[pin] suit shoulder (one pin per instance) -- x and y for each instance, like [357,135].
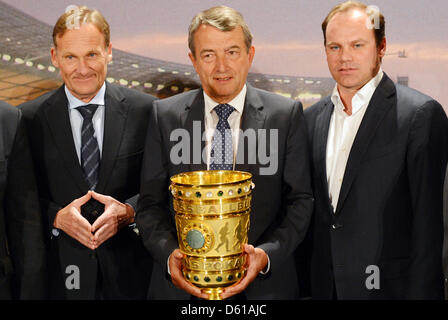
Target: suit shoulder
[276,106]
[8,111]
[274,98]
[412,99]
[133,95]
[30,108]
[312,111]
[178,101]
[9,120]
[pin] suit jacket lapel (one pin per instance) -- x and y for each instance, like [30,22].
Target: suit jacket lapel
[380,103]
[115,115]
[192,119]
[320,149]
[253,117]
[57,115]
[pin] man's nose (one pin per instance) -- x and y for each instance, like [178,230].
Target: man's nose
[346,54]
[83,67]
[221,63]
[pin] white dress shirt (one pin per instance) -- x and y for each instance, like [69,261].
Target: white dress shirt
[76,118]
[342,133]
[211,121]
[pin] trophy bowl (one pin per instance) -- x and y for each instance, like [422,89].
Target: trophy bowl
[212,220]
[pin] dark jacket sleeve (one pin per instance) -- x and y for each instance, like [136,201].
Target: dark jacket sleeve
[426,162]
[24,222]
[153,216]
[297,202]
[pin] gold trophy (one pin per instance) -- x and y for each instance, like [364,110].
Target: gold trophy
[212,220]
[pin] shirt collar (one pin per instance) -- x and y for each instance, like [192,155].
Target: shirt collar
[362,96]
[74,102]
[237,102]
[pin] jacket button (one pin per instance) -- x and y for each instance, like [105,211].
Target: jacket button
[336,226]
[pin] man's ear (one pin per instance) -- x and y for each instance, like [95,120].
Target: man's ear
[382,48]
[251,54]
[54,59]
[193,60]
[109,53]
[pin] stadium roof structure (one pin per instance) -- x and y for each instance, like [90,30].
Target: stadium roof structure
[26,71]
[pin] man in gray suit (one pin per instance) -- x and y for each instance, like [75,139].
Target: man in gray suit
[22,250]
[222,53]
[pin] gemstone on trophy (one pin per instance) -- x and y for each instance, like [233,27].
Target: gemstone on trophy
[195,239]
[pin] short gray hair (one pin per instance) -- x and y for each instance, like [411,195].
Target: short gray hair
[221,17]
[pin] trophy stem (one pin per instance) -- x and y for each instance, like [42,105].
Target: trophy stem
[214,293]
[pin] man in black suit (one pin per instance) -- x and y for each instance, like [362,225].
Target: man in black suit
[445,229]
[22,248]
[222,53]
[87,140]
[379,152]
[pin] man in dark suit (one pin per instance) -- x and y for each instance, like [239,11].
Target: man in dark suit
[87,140]
[22,248]
[221,52]
[379,152]
[445,229]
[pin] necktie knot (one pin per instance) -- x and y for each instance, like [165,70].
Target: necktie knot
[87,111]
[224,111]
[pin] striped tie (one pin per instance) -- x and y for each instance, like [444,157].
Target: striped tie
[222,144]
[90,152]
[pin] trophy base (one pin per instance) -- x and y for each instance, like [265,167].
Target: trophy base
[214,293]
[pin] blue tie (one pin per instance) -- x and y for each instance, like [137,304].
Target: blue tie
[90,152]
[222,145]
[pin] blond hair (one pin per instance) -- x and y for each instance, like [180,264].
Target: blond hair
[350,5]
[75,16]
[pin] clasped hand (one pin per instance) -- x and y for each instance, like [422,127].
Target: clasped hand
[256,261]
[115,216]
